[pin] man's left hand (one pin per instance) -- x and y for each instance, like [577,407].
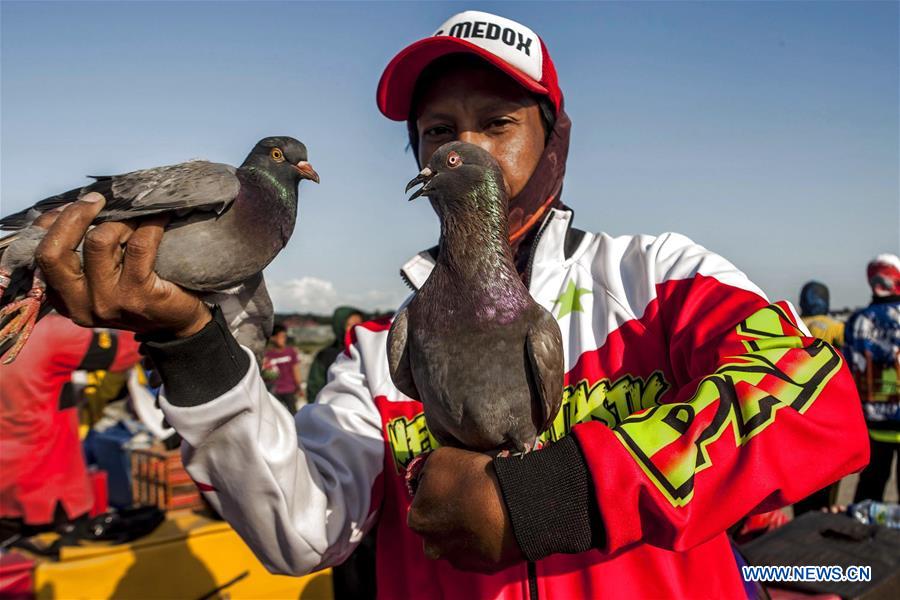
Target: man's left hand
[459,512]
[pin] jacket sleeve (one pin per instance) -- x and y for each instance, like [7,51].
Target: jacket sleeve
[760,414]
[298,489]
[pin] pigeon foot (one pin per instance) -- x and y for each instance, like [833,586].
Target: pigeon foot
[5,280]
[519,449]
[413,470]
[22,315]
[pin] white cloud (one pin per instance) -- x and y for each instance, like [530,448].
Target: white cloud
[311,294]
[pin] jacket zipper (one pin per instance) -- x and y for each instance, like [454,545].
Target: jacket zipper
[532,252]
[406,280]
[532,568]
[532,581]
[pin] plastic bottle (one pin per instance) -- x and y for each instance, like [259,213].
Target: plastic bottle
[876,513]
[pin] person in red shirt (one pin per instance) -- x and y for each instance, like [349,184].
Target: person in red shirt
[43,476]
[286,361]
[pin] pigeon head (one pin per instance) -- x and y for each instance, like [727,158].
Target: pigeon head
[284,158]
[458,176]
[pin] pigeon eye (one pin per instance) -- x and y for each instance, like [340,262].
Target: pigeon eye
[277,155]
[454,160]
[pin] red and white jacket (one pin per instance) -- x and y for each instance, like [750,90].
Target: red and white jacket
[693,399]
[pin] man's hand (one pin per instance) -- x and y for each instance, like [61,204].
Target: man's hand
[459,512]
[117,286]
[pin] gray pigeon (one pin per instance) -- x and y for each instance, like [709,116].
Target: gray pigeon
[484,358]
[226,225]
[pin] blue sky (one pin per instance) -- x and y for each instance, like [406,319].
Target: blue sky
[766,131]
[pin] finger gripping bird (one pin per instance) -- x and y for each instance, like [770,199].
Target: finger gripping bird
[484,358]
[225,226]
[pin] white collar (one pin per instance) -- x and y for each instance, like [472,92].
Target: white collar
[550,246]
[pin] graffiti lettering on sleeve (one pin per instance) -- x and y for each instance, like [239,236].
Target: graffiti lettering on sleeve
[671,442]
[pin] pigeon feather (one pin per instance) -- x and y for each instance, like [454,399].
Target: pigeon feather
[192,185]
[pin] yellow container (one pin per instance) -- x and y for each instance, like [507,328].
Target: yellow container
[188,556]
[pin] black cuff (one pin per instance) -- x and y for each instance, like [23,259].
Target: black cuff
[550,498]
[201,367]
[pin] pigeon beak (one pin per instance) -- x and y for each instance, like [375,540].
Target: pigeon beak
[424,176]
[306,171]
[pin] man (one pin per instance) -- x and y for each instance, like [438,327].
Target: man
[814,307]
[873,349]
[44,481]
[286,361]
[729,402]
[343,320]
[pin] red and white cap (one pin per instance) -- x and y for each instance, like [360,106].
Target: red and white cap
[511,47]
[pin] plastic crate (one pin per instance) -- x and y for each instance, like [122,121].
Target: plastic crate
[158,479]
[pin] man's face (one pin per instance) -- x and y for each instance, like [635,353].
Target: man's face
[481,106]
[280,339]
[352,321]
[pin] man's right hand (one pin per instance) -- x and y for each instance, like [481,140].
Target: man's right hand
[117,286]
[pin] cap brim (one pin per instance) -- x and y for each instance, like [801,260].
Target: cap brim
[398,81]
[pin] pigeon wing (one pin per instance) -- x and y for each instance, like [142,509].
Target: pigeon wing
[543,345]
[181,188]
[398,356]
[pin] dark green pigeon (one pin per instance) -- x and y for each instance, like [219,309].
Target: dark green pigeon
[226,225]
[484,358]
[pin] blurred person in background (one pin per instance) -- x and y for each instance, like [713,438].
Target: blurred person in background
[814,309]
[342,320]
[44,482]
[873,351]
[285,360]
